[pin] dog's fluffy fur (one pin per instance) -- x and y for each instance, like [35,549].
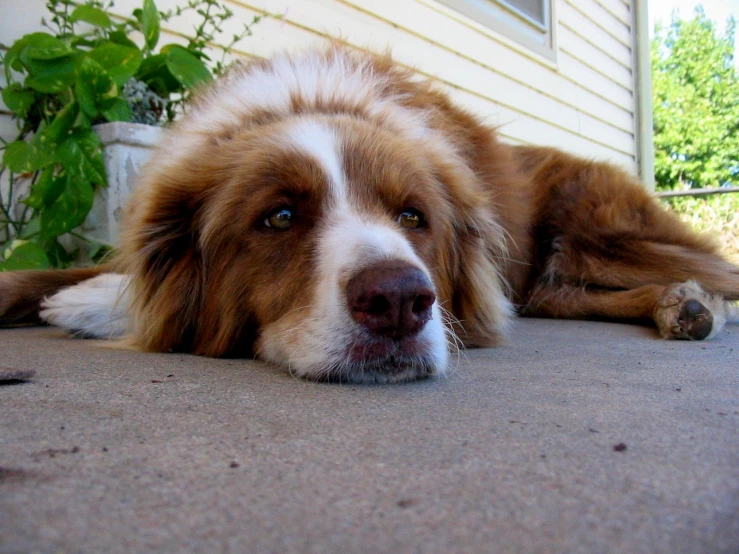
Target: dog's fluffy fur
[347,143]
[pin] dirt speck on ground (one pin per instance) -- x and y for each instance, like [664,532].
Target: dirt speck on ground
[13,475]
[54,452]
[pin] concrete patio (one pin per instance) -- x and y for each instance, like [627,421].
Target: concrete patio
[578,437]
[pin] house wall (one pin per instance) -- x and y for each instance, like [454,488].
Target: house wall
[584,101]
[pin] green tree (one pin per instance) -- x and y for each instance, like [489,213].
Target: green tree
[696,103]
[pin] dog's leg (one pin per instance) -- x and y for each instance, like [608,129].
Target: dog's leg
[21,292]
[96,308]
[680,311]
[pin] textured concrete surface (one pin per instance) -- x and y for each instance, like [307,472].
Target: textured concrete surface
[115,451]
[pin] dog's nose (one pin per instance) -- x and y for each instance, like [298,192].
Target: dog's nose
[391,300]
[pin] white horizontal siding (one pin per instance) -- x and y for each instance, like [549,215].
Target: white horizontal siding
[571,15]
[619,10]
[596,59]
[583,102]
[609,22]
[496,57]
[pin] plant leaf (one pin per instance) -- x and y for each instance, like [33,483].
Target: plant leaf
[38,152]
[46,190]
[119,110]
[119,37]
[69,209]
[31,228]
[50,76]
[43,46]
[94,86]
[58,255]
[25,157]
[18,99]
[23,254]
[150,23]
[121,62]
[92,148]
[187,68]
[154,72]
[82,41]
[12,58]
[91,15]
[81,155]
[59,128]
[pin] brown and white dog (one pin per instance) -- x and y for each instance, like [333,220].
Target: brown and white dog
[332,214]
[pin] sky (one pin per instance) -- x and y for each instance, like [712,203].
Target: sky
[718,10]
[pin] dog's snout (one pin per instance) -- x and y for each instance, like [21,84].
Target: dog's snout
[391,300]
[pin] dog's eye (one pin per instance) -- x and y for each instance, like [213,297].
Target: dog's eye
[280,219]
[411,219]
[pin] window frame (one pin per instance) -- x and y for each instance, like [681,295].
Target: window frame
[508,20]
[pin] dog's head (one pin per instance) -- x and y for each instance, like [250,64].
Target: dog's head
[336,233]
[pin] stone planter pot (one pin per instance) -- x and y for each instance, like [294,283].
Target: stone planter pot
[126,148]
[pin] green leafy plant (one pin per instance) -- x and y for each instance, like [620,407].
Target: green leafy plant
[91,67]
[696,103]
[696,122]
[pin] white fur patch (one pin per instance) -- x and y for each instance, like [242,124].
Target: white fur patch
[319,142]
[96,308]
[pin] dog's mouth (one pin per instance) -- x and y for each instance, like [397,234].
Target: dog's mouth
[380,361]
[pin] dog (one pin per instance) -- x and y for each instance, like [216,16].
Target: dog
[333,214]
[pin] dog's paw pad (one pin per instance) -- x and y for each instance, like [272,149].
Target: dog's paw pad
[695,321]
[686,312]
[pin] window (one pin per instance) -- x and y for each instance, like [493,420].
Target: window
[535,10]
[528,22]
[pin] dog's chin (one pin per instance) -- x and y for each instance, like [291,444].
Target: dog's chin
[380,362]
[389,370]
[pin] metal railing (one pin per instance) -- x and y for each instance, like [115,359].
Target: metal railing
[696,192]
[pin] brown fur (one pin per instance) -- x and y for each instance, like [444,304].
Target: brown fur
[567,237]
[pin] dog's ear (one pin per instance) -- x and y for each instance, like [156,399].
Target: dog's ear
[473,286]
[478,302]
[160,252]
[181,288]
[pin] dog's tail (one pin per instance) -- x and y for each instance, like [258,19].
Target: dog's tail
[96,308]
[659,263]
[21,292]
[716,274]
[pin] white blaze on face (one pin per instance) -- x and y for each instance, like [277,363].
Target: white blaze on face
[310,137]
[315,340]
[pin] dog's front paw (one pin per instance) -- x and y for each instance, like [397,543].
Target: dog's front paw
[685,311]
